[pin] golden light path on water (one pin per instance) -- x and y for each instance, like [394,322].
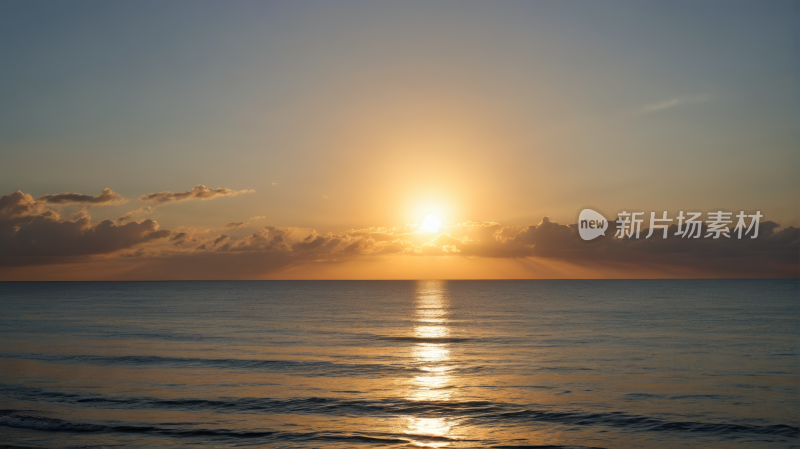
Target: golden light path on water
[432,306]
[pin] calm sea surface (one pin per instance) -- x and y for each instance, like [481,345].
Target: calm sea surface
[610,364]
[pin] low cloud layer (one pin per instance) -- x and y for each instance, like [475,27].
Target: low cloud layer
[106,198]
[34,234]
[199,192]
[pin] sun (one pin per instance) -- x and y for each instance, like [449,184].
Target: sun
[431,223]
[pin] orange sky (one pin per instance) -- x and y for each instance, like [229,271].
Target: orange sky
[351,124]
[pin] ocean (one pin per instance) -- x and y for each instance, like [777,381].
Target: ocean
[401,364]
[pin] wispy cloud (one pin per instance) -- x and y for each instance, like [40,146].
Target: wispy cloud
[654,107]
[241,224]
[106,198]
[235,225]
[199,192]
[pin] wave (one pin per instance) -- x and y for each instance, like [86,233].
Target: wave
[307,368]
[426,339]
[546,446]
[646,423]
[24,420]
[482,413]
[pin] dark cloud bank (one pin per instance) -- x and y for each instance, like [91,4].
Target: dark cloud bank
[34,234]
[107,198]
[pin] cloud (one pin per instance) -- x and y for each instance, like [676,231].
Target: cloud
[199,192]
[273,250]
[772,254]
[177,236]
[663,105]
[134,214]
[31,233]
[18,207]
[106,198]
[235,225]
[673,102]
[241,224]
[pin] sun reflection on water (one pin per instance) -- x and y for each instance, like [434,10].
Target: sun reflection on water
[431,331]
[429,353]
[434,427]
[432,357]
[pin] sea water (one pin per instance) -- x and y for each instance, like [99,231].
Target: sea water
[341,364]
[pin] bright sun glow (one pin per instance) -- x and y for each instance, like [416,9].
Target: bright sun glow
[431,223]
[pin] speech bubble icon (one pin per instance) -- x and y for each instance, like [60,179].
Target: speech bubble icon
[591,224]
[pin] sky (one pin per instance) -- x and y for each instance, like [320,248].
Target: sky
[311,140]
